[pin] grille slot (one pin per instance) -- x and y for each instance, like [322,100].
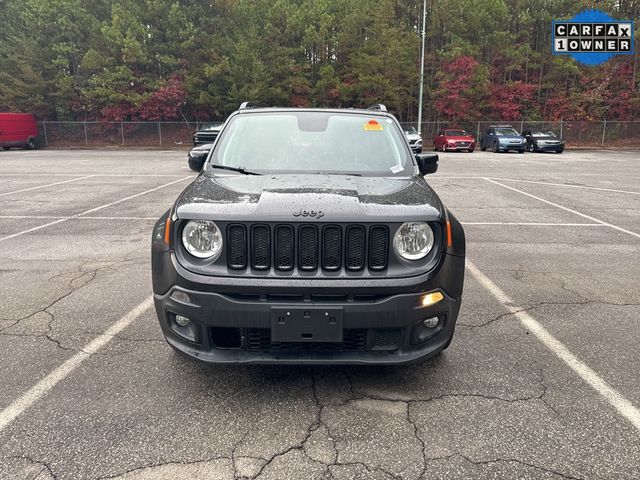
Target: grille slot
[331,247]
[285,253]
[308,247]
[378,247]
[355,247]
[260,247]
[237,246]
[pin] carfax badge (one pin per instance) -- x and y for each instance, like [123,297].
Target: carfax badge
[592,37]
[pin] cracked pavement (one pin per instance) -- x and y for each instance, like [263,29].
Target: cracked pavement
[496,404]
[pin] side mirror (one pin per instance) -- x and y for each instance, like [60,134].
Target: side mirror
[427,163]
[197,159]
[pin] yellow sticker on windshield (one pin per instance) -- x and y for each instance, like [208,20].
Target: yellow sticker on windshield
[373,125]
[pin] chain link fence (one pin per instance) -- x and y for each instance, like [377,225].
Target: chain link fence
[124,134]
[179,134]
[603,133]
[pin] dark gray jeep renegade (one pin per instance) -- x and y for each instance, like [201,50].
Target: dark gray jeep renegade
[310,236]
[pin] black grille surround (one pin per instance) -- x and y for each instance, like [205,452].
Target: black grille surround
[311,250]
[307,248]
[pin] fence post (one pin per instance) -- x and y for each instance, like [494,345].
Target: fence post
[122,131]
[160,133]
[478,133]
[86,138]
[44,127]
[604,130]
[561,128]
[521,125]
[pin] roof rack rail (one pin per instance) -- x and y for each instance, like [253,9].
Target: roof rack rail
[245,105]
[378,106]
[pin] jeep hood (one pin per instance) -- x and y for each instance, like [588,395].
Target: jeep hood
[286,198]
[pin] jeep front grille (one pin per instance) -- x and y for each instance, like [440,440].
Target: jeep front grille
[307,247]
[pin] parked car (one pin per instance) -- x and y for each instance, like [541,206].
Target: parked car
[539,141]
[454,139]
[197,156]
[414,138]
[309,236]
[18,130]
[502,138]
[207,133]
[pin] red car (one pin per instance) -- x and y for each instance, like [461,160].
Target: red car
[454,139]
[18,130]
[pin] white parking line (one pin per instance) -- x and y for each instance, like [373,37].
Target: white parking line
[65,219]
[602,189]
[588,217]
[101,207]
[74,217]
[26,400]
[591,378]
[45,186]
[44,174]
[533,224]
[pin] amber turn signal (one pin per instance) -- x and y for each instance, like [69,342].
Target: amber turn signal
[431,299]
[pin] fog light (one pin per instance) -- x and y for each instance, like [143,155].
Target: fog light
[180,296]
[431,299]
[431,322]
[184,321]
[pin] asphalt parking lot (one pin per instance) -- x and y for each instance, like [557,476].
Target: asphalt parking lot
[541,380]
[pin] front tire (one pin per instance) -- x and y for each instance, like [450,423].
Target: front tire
[444,148]
[31,144]
[6,148]
[470,150]
[532,147]
[482,147]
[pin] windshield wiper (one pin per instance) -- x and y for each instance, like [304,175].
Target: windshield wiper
[234,169]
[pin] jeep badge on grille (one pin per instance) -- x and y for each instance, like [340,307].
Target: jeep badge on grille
[309,213]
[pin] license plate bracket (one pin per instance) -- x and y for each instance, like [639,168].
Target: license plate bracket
[306,324]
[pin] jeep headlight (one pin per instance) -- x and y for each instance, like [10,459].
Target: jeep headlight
[202,238]
[413,240]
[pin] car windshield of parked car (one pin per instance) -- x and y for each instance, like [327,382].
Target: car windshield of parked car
[313,142]
[456,133]
[410,130]
[505,132]
[543,134]
[209,126]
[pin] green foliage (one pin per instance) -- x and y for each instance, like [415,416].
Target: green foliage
[128,59]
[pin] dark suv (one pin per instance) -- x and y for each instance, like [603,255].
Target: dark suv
[310,236]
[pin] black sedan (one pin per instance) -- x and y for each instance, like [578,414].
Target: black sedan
[207,133]
[538,141]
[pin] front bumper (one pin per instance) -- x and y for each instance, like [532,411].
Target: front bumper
[384,331]
[381,318]
[549,148]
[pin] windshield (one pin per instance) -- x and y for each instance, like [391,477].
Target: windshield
[543,134]
[210,126]
[456,133]
[410,130]
[505,131]
[313,142]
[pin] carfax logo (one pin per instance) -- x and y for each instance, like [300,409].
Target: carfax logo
[592,37]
